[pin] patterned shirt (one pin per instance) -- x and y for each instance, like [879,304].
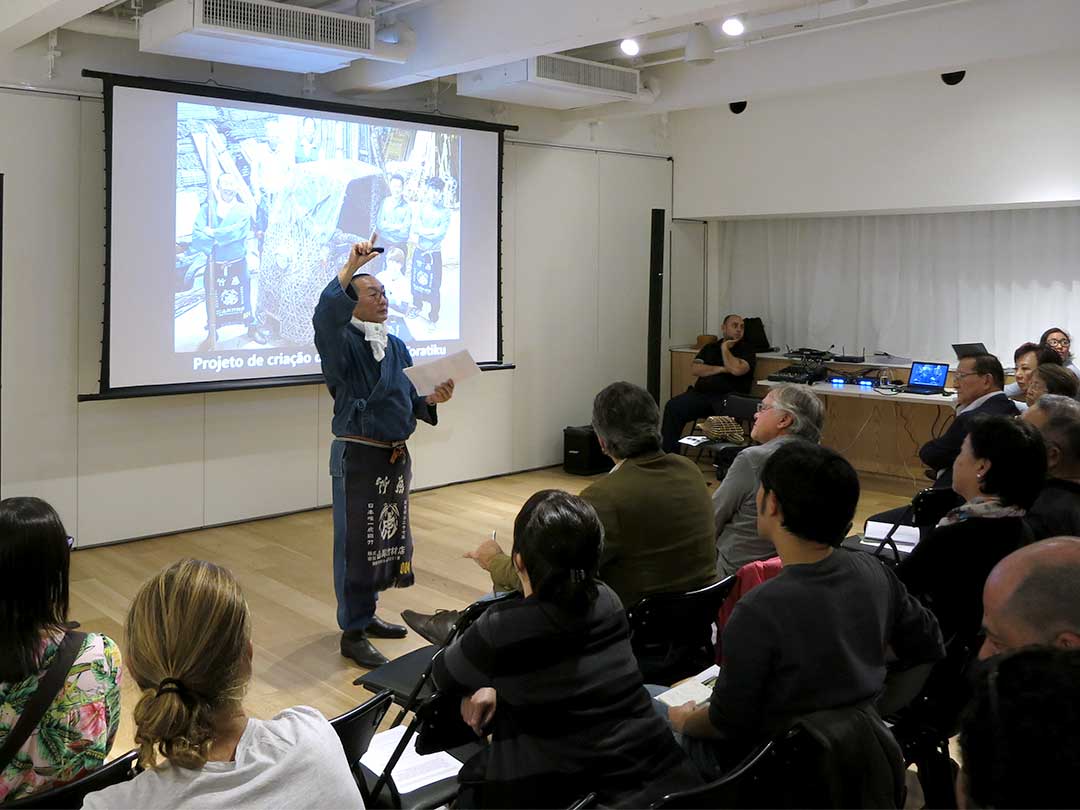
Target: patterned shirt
[77,731]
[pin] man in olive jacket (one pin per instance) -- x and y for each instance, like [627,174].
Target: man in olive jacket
[659,533]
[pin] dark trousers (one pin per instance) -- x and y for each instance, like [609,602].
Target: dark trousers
[429,263]
[684,408]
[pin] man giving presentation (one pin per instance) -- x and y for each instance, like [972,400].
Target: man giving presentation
[375,412]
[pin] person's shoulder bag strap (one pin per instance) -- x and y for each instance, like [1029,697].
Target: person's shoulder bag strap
[48,688]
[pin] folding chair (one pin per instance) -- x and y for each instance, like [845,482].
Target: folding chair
[357,727]
[72,794]
[408,677]
[671,633]
[438,726]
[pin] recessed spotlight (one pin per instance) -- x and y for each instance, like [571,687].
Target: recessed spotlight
[733,26]
[630,47]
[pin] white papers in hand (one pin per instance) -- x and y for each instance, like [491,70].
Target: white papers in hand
[697,688]
[413,771]
[457,367]
[905,537]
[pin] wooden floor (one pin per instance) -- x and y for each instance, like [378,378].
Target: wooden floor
[284,565]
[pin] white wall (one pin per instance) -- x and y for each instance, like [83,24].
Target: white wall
[575,258]
[1005,136]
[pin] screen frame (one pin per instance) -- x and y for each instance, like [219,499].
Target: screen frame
[215,91]
[945,366]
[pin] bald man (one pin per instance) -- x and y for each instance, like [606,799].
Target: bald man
[1031,598]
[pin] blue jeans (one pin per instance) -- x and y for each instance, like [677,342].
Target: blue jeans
[355,610]
[713,758]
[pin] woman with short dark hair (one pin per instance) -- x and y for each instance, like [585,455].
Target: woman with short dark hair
[1058,339]
[999,473]
[1051,379]
[76,730]
[553,679]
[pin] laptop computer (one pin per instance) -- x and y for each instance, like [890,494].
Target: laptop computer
[968,349]
[926,378]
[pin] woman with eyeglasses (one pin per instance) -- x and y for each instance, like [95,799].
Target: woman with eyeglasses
[1051,379]
[1058,339]
[73,677]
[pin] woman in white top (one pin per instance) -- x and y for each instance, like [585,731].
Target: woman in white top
[189,650]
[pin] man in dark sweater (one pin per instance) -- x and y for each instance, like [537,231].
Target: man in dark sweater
[723,367]
[1056,510]
[814,637]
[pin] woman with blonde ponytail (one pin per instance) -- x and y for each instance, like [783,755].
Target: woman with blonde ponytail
[189,650]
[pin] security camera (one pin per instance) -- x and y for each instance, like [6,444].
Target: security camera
[954,78]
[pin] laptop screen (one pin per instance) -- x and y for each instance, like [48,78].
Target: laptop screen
[932,374]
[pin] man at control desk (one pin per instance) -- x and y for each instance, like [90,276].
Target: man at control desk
[980,383]
[721,368]
[375,412]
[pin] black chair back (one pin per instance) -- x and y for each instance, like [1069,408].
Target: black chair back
[357,726]
[72,794]
[671,633]
[739,406]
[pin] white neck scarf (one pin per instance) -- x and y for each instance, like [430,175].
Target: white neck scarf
[377,336]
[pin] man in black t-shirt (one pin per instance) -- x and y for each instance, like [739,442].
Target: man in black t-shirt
[721,368]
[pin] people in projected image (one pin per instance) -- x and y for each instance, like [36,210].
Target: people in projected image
[307,145]
[395,282]
[221,231]
[394,222]
[433,221]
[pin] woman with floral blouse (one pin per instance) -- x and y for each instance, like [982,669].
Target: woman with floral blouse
[76,732]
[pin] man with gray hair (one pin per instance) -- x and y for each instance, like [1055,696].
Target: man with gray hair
[654,506]
[788,412]
[1057,509]
[1031,598]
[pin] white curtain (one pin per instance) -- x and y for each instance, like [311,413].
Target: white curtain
[910,285]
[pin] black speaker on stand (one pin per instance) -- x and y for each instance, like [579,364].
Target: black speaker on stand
[656,302]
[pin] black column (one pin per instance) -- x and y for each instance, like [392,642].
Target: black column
[656,301]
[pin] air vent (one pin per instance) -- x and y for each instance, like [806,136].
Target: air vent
[262,33]
[582,73]
[289,22]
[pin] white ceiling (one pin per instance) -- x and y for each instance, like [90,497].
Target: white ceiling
[790,45]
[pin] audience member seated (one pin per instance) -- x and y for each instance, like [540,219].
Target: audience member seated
[655,508]
[788,412]
[1056,510]
[998,473]
[553,679]
[979,383]
[76,731]
[1031,598]
[815,636]
[1050,379]
[1026,359]
[1059,340]
[189,649]
[723,367]
[1020,737]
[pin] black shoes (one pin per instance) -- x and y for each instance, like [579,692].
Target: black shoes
[380,629]
[356,647]
[434,628]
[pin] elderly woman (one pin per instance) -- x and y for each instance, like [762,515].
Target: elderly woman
[1026,358]
[788,412]
[999,473]
[75,732]
[1050,379]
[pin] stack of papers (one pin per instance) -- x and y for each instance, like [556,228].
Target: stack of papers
[697,688]
[905,537]
[413,771]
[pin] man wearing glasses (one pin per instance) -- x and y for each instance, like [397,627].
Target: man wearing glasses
[375,411]
[980,383]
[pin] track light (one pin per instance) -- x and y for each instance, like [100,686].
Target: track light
[733,27]
[700,49]
[630,47]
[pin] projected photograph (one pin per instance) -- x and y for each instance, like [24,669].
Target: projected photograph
[268,206]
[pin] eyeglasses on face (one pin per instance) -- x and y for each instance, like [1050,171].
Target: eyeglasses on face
[1058,343]
[761,406]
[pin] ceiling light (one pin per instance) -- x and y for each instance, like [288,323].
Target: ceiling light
[630,47]
[699,45]
[733,26]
